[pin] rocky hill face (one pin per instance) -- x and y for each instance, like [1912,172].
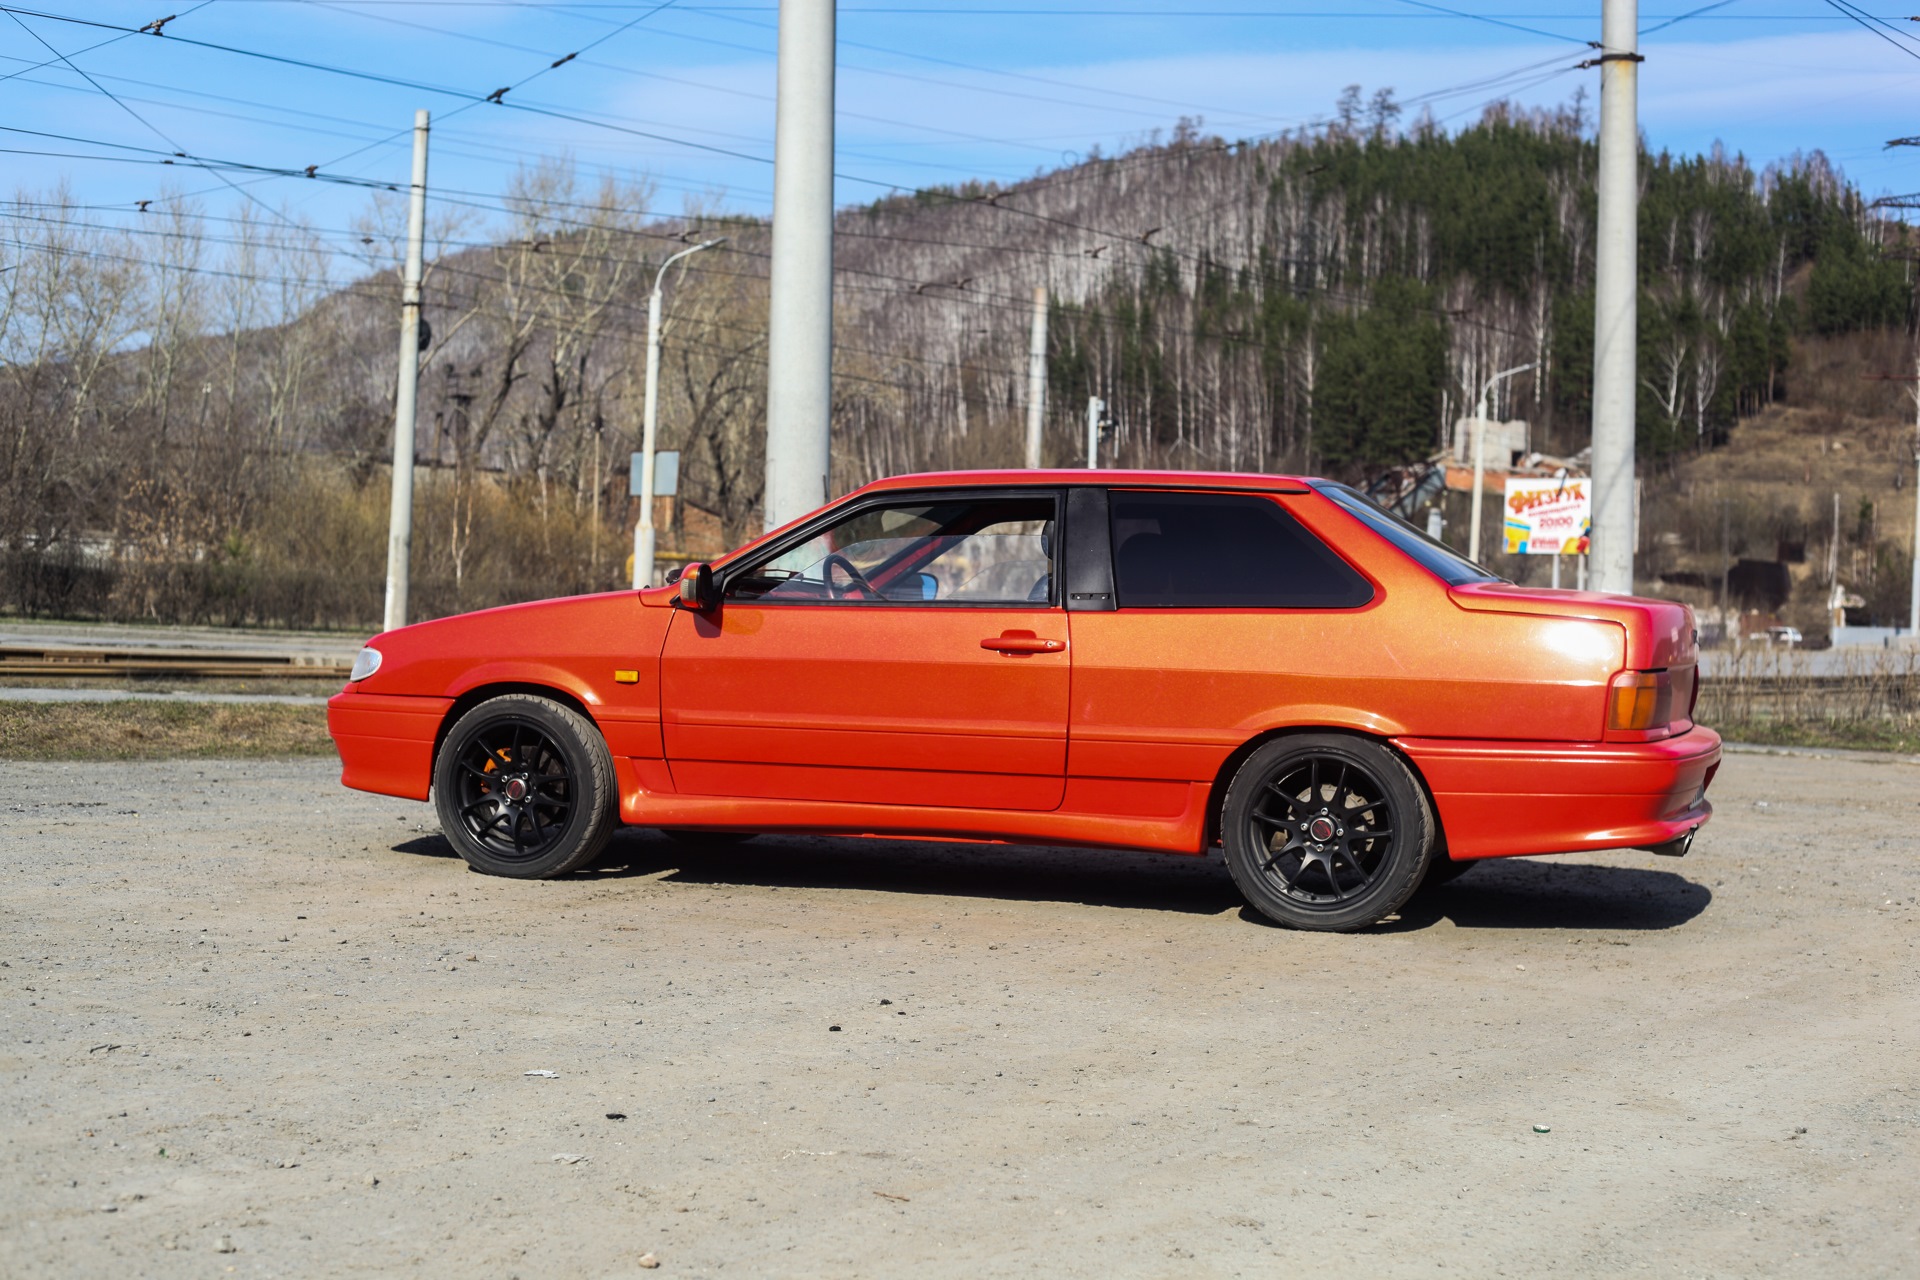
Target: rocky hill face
[1815,492]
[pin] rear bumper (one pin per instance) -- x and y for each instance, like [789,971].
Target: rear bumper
[1498,799]
[386,742]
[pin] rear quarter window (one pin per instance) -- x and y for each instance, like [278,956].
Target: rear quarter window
[1223,551]
[1437,558]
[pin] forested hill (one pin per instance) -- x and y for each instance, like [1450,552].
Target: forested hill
[1325,303]
[200,388]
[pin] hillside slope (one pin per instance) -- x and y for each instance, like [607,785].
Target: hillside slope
[196,412]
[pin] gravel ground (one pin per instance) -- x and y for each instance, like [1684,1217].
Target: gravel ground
[258,1025]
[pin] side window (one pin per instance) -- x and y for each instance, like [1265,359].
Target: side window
[1223,551]
[987,551]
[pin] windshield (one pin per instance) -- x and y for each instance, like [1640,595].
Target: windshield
[1436,557]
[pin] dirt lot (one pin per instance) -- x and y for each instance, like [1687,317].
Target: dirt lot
[246,1010]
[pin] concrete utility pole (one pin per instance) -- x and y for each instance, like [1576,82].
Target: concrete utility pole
[800,319]
[1480,454]
[1037,378]
[643,531]
[1616,294]
[400,519]
[1096,407]
[1913,604]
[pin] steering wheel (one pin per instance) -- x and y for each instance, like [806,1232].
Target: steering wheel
[856,581]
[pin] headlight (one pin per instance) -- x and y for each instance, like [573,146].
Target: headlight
[365,663]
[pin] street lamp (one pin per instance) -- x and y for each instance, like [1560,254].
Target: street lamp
[643,533]
[1480,454]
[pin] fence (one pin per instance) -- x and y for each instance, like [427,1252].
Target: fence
[1835,685]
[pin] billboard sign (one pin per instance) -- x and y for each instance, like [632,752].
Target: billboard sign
[1548,516]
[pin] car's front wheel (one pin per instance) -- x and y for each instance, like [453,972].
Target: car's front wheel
[1326,831]
[525,788]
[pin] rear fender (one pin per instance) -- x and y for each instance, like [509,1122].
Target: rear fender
[1217,798]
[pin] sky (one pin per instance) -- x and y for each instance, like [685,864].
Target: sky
[678,96]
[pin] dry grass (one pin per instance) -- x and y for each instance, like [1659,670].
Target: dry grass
[1867,687]
[1866,699]
[138,730]
[1852,735]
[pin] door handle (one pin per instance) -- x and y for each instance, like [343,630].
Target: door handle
[1022,642]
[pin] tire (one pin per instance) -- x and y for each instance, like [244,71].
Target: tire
[705,838]
[1348,859]
[524,787]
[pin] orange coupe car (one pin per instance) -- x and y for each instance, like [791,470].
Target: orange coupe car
[1146,660]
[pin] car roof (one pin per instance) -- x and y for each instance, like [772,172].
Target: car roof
[1012,478]
[1088,476]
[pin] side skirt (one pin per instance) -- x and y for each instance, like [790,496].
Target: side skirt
[648,800]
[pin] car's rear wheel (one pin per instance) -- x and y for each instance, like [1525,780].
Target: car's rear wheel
[1326,831]
[524,787]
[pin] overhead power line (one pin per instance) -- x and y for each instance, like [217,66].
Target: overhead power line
[498,94]
[1037,11]
[463,95]
[152,128]
[622,69]
[1879,26]
[1492,21]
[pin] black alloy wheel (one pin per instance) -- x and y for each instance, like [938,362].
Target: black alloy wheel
[1326,831]
[524,787]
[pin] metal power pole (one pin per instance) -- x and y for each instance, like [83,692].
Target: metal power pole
[1037,378]
[1480,412]
[400,520]
[1616,292]
[800,319]
[643,531]
[1096,407]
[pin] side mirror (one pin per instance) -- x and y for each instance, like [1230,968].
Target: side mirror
[699,590]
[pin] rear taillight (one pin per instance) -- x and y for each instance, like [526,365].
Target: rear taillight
[1639,701]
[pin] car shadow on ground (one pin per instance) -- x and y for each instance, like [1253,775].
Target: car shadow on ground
[1017,873]
[1553,893]
[427,847]
[1501,894]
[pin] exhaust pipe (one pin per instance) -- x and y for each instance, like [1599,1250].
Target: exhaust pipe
[1676,847]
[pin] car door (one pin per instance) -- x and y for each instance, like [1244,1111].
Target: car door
[910,650]
[1227,608]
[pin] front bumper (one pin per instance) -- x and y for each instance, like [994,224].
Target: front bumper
[1499,799]
[386,741]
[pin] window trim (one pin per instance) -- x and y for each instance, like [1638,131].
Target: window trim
[895,498]
[1274,496]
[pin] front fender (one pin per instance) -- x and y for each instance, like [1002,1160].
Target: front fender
[523,671]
